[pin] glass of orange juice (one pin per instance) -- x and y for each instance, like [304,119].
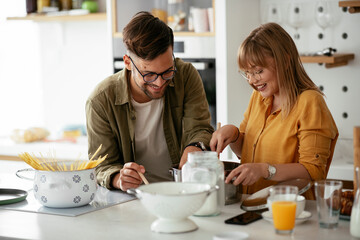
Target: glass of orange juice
[282,201]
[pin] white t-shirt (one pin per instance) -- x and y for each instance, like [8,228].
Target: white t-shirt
[151,149]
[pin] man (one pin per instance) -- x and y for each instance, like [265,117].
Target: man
[150,115]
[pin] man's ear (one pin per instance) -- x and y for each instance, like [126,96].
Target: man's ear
[127,62]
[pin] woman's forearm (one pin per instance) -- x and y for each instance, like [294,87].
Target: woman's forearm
[290,171]
[237,145]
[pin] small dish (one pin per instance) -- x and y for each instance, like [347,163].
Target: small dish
[304,216]
[236,235]
[8,196]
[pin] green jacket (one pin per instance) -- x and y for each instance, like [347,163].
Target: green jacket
[110,119]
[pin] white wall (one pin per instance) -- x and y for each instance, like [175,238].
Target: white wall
[47,69]
[234,21]
[21,94]
[75,56]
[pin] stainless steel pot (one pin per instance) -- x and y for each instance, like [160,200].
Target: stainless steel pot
[232,192]
[176,173]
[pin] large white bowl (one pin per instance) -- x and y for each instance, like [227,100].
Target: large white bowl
[172,203]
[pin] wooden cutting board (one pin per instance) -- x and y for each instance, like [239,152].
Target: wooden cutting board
[257,201]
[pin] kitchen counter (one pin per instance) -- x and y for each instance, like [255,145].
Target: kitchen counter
[341,168]
[65,150]
[130,220]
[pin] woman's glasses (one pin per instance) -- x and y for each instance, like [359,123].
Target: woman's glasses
[248,75]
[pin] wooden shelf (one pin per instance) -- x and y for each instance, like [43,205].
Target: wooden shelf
[187,34]
[116,32]
[46,18]
[336,60]
[353,6]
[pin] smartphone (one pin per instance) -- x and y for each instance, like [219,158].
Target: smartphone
[244,218]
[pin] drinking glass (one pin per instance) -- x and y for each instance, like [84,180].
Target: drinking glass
[273,13]
[283,205]
[327,14]
[323,14]
[296,17]
[328,202]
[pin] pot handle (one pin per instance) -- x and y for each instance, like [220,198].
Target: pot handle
[24,170]
[133,191]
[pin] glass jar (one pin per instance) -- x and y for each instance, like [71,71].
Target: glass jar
[41,4]
[355,211]
[160,10]
[176,15]
[66,4]
[76,4]
[31,6]
[205,167]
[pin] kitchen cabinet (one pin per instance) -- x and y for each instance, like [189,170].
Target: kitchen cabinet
[123,10]
[46,18]
[353,6]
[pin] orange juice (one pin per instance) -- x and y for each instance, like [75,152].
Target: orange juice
[284,215]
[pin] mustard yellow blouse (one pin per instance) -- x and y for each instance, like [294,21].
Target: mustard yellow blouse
[307,136]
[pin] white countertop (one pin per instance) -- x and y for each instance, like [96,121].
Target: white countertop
[64,150]
[130,220]
[341,168]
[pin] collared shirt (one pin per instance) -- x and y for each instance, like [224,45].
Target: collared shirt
[307,135]
[111,117]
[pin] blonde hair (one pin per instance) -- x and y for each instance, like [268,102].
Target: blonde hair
[271,40]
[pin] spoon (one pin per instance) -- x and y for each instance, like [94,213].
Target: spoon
[143,178]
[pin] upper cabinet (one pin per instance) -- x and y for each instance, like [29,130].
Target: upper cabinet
[185,17]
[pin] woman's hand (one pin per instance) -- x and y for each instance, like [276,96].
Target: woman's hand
[223,137]
[247,173]
[128,176]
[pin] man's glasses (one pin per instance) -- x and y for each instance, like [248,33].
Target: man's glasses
[151,76]
[256,75]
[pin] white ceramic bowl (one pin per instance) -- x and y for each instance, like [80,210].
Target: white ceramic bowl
[300,204]
[172,203]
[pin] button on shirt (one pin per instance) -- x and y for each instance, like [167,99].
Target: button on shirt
[307,136]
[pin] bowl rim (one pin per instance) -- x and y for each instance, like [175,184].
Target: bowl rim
[141,191]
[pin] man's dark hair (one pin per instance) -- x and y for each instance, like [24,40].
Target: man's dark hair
[147,36]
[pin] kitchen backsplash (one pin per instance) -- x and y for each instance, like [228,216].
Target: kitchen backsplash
[308,19]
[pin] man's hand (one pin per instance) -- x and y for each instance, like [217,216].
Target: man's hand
[188,149]
[128,176]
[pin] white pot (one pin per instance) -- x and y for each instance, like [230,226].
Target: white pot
[64,189]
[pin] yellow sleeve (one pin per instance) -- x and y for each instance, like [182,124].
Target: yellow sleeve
[317,134]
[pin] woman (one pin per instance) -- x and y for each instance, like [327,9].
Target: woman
[287,132]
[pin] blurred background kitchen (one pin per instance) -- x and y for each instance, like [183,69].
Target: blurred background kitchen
[50,63]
